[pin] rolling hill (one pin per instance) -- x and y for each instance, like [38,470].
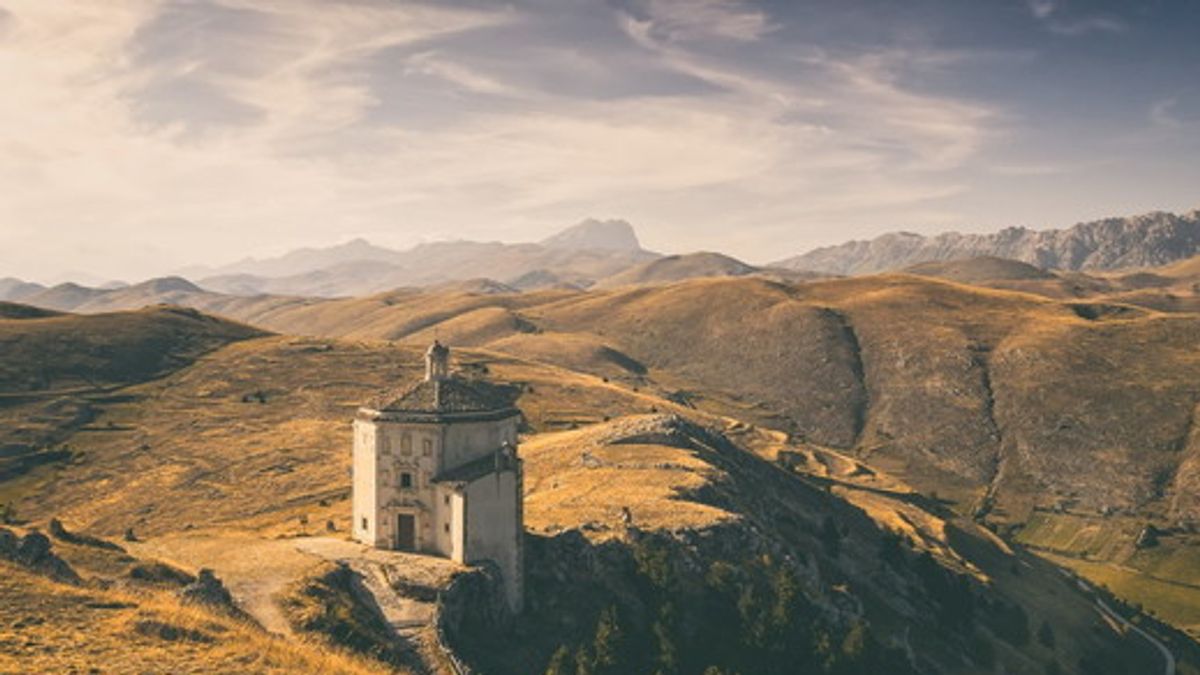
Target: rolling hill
[928,372]
[980,271]
[673,268]
[1037,413]
[46,351]
[56,368]
[241,446]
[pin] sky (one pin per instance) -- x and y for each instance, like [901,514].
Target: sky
[138,137]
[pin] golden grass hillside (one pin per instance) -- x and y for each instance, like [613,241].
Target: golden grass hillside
[988,397]
[595,477]
[115,624]
[973,388]
[674,268]
[53,352]
[252,438]
[256,435]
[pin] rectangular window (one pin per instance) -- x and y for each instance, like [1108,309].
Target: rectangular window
[446,528]
[406,444]
[427,447]
[406,480]
[364,523]
[446,500]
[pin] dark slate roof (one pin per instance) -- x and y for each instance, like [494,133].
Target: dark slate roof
[452,396]
[475,469]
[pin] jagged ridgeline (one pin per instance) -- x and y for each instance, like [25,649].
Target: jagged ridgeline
[1112,243]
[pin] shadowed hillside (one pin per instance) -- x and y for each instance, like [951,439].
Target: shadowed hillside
[44,351]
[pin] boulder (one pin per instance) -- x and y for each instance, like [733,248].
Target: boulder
[208,590]
[33,552]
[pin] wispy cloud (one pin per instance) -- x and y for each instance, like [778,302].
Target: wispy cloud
[1060,19]
[434,64]
[684,20]
[1178,112]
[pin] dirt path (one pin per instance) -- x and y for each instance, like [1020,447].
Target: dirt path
[377,569]
[255,570]
[1168,657]
[1108,613]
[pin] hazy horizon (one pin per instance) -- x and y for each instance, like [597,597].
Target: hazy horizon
[142,137]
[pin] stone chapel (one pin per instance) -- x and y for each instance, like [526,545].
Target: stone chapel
[436,471]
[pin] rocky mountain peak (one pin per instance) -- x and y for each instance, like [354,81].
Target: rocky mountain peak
[1144,240]
[593,234]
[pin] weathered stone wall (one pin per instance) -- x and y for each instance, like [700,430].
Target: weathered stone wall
[494,529]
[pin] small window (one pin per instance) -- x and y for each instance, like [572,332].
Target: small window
[446,500]
[406,480]
[446,528]
[427,447]
[364,523]
[406,444]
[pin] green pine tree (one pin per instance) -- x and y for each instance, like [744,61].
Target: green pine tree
[561,662]
[608,644]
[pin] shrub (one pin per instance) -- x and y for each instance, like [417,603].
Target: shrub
[1046,635]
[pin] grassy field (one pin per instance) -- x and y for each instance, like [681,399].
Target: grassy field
[1170,601]
[1165,579]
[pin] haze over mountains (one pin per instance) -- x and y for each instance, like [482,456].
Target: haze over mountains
[1112,243]
[607,253]
[577,256]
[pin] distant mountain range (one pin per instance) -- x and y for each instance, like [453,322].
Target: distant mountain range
[1113,243]
[607,253]
[576,257]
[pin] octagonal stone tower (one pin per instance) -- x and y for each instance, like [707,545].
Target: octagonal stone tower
[436,471]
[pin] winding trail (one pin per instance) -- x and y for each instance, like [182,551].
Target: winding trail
[1111,615]
[1166,653]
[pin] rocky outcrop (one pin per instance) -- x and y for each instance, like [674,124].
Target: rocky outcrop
[33,551]
[1113,243]
[59,532]
[208,590]
[472,604]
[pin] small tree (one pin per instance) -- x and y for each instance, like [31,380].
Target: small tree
[890,551]
[561,662]
[585,663]
[1046,635]
[668,652]
[831,538]
[609,645]
[856,643]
